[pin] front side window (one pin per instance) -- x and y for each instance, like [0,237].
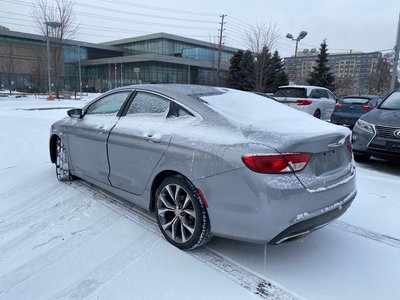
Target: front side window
[148,104]
[108,105]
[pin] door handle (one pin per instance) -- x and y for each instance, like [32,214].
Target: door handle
[153,139]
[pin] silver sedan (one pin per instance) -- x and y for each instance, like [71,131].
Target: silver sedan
[210,161]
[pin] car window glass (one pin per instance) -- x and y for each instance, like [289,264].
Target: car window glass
[109,104]
[290,92]
[177,111]
[391,102]
[316,94]
[147,104]
[373,103]
[323,93]
[355,101]
[331,96]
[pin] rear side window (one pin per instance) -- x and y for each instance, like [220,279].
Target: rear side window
[291,92]
[318,93]
[355,100]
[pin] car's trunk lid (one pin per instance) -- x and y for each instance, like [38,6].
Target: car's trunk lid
[331,162]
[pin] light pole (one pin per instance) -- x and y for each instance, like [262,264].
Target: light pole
[301,36]
[48,24]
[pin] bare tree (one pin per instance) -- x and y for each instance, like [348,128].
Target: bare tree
[260,39]
[379,82]
[37,75]
[8,66]
[345,85]
[60,11]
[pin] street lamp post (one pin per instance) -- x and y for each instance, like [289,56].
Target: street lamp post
[48,24]
[301,36]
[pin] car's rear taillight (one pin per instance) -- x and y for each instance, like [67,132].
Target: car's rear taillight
[339,105]
[367,107]
[303,102]
[277,164]
[350,147]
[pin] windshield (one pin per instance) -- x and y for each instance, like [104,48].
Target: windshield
[391,102]
[290,92]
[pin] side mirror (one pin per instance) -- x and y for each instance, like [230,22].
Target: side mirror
[75,113]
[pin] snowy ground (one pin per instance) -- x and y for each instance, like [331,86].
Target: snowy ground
[73,241]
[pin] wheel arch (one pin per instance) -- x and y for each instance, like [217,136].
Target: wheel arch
[156,183]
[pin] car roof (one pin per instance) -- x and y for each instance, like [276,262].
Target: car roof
[307,87]
[371,97]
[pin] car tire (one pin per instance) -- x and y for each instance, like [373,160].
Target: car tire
[361,157]
[63,171]
[317,114]
[181,214]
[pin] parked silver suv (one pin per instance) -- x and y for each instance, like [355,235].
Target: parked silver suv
[314,100]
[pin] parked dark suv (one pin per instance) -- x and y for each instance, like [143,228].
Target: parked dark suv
[377,133]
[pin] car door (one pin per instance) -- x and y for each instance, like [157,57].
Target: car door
[88,135]
[138,141]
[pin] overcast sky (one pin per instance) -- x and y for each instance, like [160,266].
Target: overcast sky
[357,25]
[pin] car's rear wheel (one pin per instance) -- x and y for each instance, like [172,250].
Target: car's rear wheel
[361,157]
[62,162]
[181,213]
[317,114]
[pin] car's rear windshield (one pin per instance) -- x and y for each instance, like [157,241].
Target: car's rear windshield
[355,100]
[391,102]
[291,92]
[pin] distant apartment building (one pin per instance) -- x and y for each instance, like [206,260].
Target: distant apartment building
[355,72]
[154,58]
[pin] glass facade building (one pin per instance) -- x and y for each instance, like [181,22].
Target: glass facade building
[155,58]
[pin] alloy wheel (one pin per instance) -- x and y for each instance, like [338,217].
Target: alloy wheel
[176,213]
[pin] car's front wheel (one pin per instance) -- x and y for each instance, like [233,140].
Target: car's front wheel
[181,213]
[62,162]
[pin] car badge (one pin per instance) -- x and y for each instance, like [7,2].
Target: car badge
[396,133]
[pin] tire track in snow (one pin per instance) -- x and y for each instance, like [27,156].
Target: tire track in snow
[48,258]
[35,199]
[378,237]
[255,284]
[83,288]
[13,246]
[18,222]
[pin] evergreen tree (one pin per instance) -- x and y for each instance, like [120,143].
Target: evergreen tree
[241,71]
[263,69]
[234,70]
[247,72]
[321,74]
[278,76]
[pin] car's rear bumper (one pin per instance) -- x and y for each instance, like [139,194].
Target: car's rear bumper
[304,228]
[258,207]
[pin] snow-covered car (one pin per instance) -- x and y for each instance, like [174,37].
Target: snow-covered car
[377,133]
[210,161]
[314,100]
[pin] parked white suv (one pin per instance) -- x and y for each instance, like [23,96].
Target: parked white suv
[314,100]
